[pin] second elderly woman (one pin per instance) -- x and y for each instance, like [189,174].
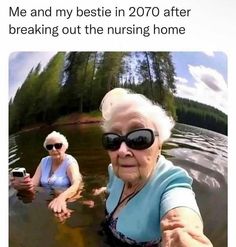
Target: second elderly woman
[58,170]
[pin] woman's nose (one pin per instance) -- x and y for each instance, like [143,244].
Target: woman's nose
[53,148]
[123,150]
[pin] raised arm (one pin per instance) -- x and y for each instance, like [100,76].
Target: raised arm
[37,176]
[182,227]
[27,184]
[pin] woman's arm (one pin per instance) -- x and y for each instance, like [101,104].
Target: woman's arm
[59,203]
[37,176]
[182,227]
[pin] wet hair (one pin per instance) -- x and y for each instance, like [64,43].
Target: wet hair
[123,98]
[55,134]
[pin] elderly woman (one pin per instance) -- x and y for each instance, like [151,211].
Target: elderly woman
[57,171]
[150,201]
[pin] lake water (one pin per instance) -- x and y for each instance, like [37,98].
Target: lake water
[201,152]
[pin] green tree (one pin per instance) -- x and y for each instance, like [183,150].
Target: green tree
[164,86]
[197,114]
[156,78]
[23,100]
[77,73]
[77,81]
[109,72]
[47,89]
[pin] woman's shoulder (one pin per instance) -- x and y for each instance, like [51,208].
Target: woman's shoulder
[166,166]
[45,162]
[70,159]
[45,159]
[167,172]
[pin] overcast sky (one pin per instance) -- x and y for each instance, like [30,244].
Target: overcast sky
[200,76]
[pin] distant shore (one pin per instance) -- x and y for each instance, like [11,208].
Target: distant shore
[74,118]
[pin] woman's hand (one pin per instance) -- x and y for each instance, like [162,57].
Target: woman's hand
[58,204]
[22,184]
[63,216]
[98,191]
[184,237]
[182,227]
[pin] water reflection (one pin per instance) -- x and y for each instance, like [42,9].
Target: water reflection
[201,152]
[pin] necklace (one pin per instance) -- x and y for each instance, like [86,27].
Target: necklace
[129,189]
[51,175]
[124,201]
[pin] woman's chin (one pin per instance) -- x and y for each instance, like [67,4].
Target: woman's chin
[132,177]
[56,156]
[129,178]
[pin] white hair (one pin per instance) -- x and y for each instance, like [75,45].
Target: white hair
[55,134]
[120,98]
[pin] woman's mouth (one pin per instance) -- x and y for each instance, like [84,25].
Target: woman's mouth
[127,166]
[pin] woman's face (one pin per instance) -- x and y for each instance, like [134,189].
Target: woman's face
[129,164]
[56,153]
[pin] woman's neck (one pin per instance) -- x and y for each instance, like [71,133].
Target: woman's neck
[130,185]
[133,187]
[57,161]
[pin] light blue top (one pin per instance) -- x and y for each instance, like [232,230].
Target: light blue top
[59,178]
[169,187]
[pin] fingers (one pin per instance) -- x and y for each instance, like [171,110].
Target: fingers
[95,192]
[58,205]
[89,203]
[22,184]
[98,191]
[62,216]
[183,237]
[27,178]
[26,185]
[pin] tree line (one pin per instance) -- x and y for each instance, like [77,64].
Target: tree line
[77,81]
[204,116]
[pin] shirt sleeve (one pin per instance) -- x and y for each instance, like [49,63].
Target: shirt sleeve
[177,190]
[71,160]
[178,197]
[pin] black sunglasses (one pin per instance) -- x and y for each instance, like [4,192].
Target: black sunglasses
[138,139]
[56,145]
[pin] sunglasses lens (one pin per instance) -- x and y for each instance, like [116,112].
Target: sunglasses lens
[58,145]
[111,141]
[49,147]
[140,139]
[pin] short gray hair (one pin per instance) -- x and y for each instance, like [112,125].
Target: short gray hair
[55,134]
[120,97]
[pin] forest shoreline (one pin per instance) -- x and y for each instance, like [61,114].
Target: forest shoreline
[95,117]
[70,119]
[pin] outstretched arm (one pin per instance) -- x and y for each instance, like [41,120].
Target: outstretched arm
[182,227]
